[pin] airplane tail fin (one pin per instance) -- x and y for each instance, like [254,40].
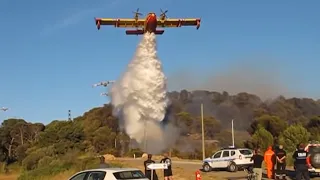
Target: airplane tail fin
[134,32]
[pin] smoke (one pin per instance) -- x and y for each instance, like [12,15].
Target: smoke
[256,76]
[140,99]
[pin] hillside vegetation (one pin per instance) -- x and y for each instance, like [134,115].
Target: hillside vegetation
[50,149]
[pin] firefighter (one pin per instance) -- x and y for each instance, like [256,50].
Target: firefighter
[300,156]
[269,160]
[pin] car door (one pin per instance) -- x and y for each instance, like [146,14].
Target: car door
[216,160]
[225,159]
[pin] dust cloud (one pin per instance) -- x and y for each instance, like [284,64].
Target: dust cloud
[140,99]
[251,76]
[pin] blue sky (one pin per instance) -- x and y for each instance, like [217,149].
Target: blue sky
[51,52]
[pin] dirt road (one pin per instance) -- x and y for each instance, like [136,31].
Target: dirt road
[185,170]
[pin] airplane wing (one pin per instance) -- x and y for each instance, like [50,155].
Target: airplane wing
[120,23]
[179,22]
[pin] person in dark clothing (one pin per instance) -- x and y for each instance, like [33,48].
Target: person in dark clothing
[257,159]
[281,161]
[103,163]
[167,173]
[300,156]
[147,171]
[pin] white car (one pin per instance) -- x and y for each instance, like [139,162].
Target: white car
[110,174]
[230,158]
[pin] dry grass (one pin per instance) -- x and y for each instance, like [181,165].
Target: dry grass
[63,175]
[9,176]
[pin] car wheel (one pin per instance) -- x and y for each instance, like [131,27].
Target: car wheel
[232,167]
[206,168]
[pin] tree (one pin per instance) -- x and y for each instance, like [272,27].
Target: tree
[103,139]
[211,126]
[294,135]
[185,121]
[273,124]
[313,126]
[262,138]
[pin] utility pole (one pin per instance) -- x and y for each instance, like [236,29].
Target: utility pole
[69,115]
[145,136]
[202,126]
[232,131]
[115,141]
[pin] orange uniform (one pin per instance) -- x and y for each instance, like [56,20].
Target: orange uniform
[268,159]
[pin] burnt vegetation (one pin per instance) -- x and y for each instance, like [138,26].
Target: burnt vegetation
[257,122]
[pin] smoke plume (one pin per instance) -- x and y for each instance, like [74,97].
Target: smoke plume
[257,76]
[140,99]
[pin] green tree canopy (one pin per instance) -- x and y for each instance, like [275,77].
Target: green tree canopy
[294,135]
[273,124]
[262,138]
[211,126]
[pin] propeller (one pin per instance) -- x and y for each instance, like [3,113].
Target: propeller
[137,12]
[163,14]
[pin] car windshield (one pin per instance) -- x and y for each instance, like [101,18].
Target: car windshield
[129,175]
[313,149]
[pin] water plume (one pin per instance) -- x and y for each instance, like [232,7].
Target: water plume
[140,99]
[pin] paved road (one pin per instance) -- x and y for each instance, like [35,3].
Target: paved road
[192,166]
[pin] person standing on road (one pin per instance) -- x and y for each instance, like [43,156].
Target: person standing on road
[257,159]
[167,173]
[268,159]
[103,163]
[147,171]
[300,157]
[281,161]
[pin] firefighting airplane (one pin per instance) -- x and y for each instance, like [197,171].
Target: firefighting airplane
[104,83]
[149,24]
[104,94]
[4,109]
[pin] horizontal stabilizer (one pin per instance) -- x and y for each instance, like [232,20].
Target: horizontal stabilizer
[134,32]
[140,32]
[159,32]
